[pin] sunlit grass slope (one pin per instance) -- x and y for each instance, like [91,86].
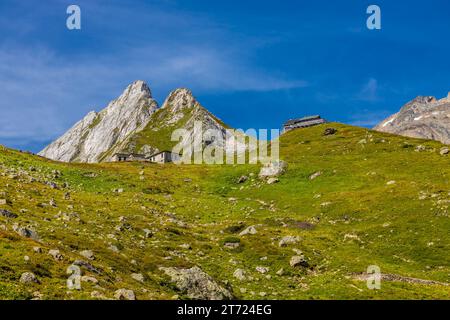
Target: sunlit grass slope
[377,201]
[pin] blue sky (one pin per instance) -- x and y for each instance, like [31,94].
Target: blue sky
[253,63]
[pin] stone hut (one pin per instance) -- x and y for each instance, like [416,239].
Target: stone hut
[164,157]
[120,157]
[303,122]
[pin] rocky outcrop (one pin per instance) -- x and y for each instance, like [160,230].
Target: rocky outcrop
[196,284]
[423,117]
[91,138]
[273,169]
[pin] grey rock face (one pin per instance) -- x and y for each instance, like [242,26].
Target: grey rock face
[423,117]
[89,139]
[181,99]
[196,284]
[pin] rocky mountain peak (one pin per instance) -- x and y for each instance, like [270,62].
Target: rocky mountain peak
[179,99]
[419,104]
[139,86]
[131,123]
[424,117]
[89,139]
[136,91]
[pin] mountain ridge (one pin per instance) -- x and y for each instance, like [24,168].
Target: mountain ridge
[131,123]
[424,117]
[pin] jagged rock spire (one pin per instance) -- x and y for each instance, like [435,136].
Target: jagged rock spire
[89,139]
[180,99]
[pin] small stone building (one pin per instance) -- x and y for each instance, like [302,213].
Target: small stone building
[303,123]
[120,157]
[164,157]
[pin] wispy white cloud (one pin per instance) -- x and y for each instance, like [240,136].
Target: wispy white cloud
[44,90]
[369,91]
[42,93]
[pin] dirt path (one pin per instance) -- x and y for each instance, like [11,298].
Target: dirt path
[398,278]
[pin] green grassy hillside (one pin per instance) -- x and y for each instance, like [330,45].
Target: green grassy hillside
[377,201]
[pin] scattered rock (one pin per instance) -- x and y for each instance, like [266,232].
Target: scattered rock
[114,248]
[148,233]
[28,277]
[37,295]
[196,284]
[262,269]
[352,237]
[390,182]
[185,246]
[56,254]
[242,179]
[89,279]
[315,175]
[272,180]
[273,169]
[231,245]
[444,151]
[97,295]
[8,214]
[249,230]
[239,274]
[138,277]
[123,226]
[88,254]
[27,233]
[52,203]
[329,131]
[420,148]
[124,294]
[288,240]
[87,266]
[52,185]
[280,272]
[298,261]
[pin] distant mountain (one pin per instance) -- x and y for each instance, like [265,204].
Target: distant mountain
[132,123]
[423,117]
